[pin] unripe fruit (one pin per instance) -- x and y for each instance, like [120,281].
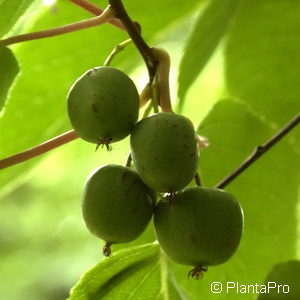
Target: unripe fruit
[103,105]
[164,151]
[199,227]
[117,205]
[283,281]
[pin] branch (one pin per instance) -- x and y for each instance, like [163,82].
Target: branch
[133,30]
[38,150]
[95,10]
[99,20]
[259,151]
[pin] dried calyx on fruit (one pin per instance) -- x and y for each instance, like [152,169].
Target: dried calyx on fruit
[103,105]
[164,151]
[117,206]
[199,227]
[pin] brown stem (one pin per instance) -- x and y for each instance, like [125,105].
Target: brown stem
[39,149]
[134,33]
[103,18]
[259,151]
[95,10]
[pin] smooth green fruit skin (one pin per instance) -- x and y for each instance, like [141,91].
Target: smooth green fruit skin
[103,105]
[287,274]
[164,151]
[200,227]
[117,205]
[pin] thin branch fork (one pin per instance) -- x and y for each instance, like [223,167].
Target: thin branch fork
[259,151]
[95,10]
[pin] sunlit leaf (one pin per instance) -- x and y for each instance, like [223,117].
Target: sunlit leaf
[134,273]
[210,27]
[10,12]
[262,58]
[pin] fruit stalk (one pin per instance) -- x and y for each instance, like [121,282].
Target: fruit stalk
[145,95]
[198,179]
[128,160]
[116,51]
[155,94]
[163,70]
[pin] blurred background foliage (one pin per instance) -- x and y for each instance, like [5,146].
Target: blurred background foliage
[247,89]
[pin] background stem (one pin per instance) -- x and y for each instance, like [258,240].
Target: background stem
[101,19]
[39,149]
[259,151]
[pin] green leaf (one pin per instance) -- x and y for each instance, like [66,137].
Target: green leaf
[154,16]
[207,33]
[267,191]
[158,19]
[9,70]
[286,278]
[133,273]
[262,58]
[10,12]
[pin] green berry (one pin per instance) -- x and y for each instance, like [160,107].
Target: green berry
[199,227]
[164,151]
[103,105]
[117,205]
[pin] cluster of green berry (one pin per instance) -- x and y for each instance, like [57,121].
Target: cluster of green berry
[195,226]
